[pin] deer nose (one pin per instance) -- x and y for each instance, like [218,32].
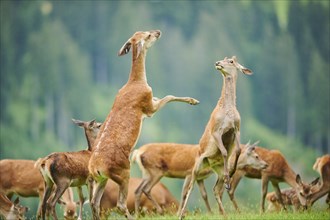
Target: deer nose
[265,165]
[158,33]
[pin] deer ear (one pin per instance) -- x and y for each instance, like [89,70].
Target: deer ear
[78,122]
[298,179]
[246,71]
[125,48]
[139,47]
[241,68]
[314,182]
[91,123]
[16,201]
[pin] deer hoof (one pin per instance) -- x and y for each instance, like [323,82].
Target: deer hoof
[227,186]
[193,101]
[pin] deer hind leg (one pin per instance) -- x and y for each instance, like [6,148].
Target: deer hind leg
[160,103]
[184,192]
[58,193]
[147,189]
[217,189]
[189,187]
[98,189]
[203,192]
[121,203]
[138,194]
[237,153]
[48,190]
[218,137]
[81,200]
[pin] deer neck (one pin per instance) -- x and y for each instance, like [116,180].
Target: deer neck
[228,92]
[138,71]
[90,141]
[291,178]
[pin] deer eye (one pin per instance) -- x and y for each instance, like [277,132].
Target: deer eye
[257,157]
[231,61]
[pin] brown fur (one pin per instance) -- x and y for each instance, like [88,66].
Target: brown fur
[20,177]
[161,194]
[64,169]
[278,170]
[121,129]
[180,159]
[222,133]
[322,166]
[11,211]
[289,197]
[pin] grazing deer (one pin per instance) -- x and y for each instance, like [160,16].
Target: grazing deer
[121,129]
[11,211]
[278,170]
[157,160]
[322,166]
[20,177]
[161,194]
[66,169]
[222,133]
[289,198]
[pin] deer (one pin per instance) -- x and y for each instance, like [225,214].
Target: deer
[61,170]
[289,197]
[322,166]
[20,177]
[122,127]
[160,192]
[278,170]
[157,160]
[221,135]
[11,210]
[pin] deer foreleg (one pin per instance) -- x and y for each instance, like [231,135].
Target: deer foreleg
[278,194]
[234,182]
[160,103]
[264,189]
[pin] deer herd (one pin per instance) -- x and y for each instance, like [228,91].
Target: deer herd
[104,167]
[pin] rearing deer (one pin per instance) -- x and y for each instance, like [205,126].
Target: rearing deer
[121,129]
[222,133]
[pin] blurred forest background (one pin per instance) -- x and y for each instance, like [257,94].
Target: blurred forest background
[59,61]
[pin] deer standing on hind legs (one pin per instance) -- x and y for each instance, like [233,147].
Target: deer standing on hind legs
[121,129]
[221,135]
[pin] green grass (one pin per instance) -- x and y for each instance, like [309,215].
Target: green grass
[312,215]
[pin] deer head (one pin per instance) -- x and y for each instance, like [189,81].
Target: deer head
[140,41]
[229,66]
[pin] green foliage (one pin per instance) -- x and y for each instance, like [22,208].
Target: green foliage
[59,61]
